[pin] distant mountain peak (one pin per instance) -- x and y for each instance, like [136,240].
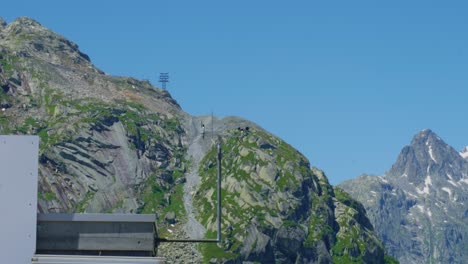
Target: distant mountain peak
[426,155]
[419,201]
[426,136]
[26,21]
[23,25]
[464,152]
[427,131]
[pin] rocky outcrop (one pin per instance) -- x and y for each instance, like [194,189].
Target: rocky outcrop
[28,38]
[419,207]
[277,209]
[3,23]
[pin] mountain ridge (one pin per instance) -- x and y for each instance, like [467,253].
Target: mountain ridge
[418,207]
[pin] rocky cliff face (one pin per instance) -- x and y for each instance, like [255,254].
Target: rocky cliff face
[117,144]
[419,207]
[277,209]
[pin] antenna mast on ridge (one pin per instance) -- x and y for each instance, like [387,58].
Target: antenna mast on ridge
[163,79]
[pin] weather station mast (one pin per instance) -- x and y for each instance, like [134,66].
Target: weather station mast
[164,79]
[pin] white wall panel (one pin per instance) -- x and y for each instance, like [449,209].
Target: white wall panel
[18,198]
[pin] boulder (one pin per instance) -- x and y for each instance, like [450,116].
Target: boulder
[170,218]
[3,23]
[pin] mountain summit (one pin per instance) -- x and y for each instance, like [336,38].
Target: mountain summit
[120,145]
[427,155]
[419,207]
[27,37]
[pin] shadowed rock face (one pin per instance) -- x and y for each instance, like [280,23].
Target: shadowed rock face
[419,207]
[102,137]
[117,144]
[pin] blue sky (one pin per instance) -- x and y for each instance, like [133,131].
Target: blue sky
[348,83]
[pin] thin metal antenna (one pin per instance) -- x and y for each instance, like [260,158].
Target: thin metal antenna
[219,187]
[164,79]
[212,127]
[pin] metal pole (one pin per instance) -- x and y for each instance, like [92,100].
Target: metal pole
[219,189]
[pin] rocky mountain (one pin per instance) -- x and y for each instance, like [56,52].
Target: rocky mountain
[419,208]
[120,145]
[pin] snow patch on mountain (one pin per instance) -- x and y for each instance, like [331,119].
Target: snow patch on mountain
[427,182]
[464,153]
[453,183]
[431,153]
[431,179]
[383,179]
[447,190]
[464,180]
[421,208]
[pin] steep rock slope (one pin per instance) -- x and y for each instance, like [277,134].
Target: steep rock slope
[102,137]
[117,144]
[277,209]
[419,207]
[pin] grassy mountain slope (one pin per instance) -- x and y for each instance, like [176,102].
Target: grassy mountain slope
[419,207]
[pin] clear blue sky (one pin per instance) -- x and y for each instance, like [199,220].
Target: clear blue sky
[348,83]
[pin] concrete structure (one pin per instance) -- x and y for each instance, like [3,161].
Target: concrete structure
[18,198]
[76,259]
[96,234]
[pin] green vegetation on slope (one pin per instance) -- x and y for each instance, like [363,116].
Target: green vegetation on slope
[63,117]
[355,234]
[261,173]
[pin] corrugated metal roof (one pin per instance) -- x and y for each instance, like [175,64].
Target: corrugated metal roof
[68,259]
